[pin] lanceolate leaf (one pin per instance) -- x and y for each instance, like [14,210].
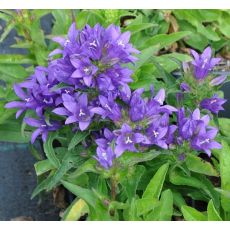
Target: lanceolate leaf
[88,166]
[49,150]
[11,132]
[135,28]
[225,174]
[87,195]
[154,187]
[164,211]
[144,56]
[177,177]
[165,39]
[131,181]
[13,71]
[15,59]
[42,167]
[213,215]
[130,159]
[191,214]
[77,209]
[198,165]
[77,138]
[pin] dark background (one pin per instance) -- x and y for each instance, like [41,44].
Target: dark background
[17,175]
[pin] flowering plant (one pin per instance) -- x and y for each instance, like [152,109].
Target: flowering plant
[125,152]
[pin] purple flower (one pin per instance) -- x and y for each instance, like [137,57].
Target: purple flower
[77,110]
[42,126]
[108,108]
[127,139]
[105,142]
[137,106]
[204,141]
[187,126]
[218,80]
[28,101]
[84,69]
[119,43]
[203,63]
[170,134]
[106,49]
[184,87]
[157,131]
[155,105]
[125,93]
[105,157]
[213,104]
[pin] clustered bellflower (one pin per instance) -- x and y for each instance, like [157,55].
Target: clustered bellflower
[195,130]
[203,63]
[88,84]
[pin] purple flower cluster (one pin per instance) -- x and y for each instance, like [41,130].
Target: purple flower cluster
[202,66]
[89,84]
[196,131]
[203,63]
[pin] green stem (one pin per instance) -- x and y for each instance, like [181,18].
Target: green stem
[113,188]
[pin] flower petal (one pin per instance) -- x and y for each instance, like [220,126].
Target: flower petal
[70,120]
[33,122]
[61,111]
[35,134]
[83,125]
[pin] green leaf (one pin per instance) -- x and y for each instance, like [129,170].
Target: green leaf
[198,181]
[131,180]
[213,215]
[88,166]
[77,138]
[117,205]
[69,160]
[62,21]
[224,24]
[37,34]
[178,199]
[144,56]
[43,167]
[11,132]
[155,186]
[144,205]
[131,213]
[135,28]
[224,124]
[87,195]
[15,59]
[225,174]
[7,30]
[193,18]
[77,209]
[49,150]
[130,158]
[164,211]
[167,77]
[191,214]
[163,40]
[14,71]
[197,41]
[167,61]
[82,19]
[5,16]
[42,185]
[22,45]
[196,164]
